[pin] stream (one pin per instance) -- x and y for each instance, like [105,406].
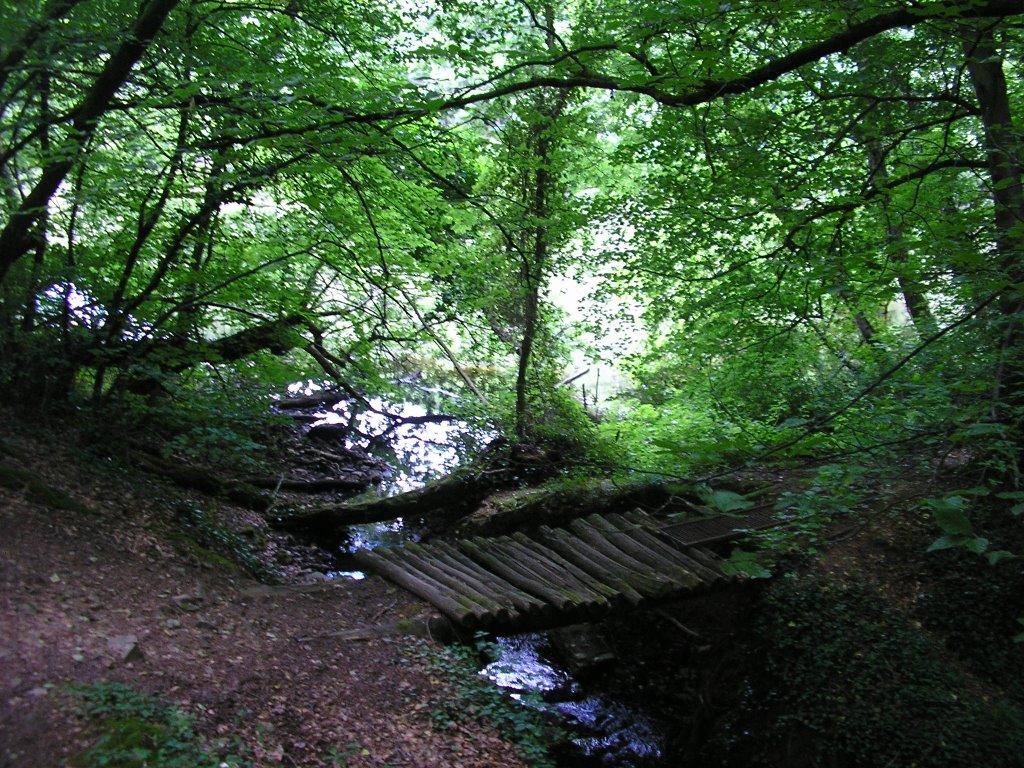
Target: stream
[611,732]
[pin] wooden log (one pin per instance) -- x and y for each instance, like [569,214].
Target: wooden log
[538,564]
[483,612]
[539,568]
[440,599]
[651,538]
[513,574]
[486,583]
[352,483]
[421,558]
[663,545]
[523,601]
[528,508]
[320,399]
[621,539]
[593,562]
[595,538]
[707,558]
[492,591]
[556,559]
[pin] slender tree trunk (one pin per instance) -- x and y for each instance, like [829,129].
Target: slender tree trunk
[16,237]
[913,295]
[534,266]
[867,132]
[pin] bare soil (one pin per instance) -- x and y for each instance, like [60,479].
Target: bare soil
[268,673]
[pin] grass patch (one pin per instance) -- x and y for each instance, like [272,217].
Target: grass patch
[136,731]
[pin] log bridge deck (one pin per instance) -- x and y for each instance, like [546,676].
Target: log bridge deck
[557,576]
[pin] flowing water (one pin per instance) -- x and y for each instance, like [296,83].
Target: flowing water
[611,733]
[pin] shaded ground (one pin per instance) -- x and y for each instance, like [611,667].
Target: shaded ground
[114,594]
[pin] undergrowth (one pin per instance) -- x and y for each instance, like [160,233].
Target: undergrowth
[137,731]
[839,678]
[225,548]
[470,697]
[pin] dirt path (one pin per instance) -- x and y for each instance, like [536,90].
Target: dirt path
[108,596]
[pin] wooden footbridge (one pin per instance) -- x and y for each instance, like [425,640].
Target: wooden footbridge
[559,576]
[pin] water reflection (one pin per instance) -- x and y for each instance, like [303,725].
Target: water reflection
[417,445]
[621,735]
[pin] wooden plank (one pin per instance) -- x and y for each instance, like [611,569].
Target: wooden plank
[706,557]
[399,559]
[511,573]
[596,538]
[652,539]
[423,560]
[669,548]
[589,581]
[684,577]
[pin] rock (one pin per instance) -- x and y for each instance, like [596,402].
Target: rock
[172,624]
[188,602]
[125,648]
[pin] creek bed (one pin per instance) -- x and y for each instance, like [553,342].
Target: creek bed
[609,731]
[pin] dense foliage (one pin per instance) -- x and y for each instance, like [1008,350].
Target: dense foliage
[804,203]
[796,225]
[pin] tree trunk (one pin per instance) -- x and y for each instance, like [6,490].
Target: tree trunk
[1005,150]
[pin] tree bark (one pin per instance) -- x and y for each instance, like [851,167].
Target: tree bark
[1005,156]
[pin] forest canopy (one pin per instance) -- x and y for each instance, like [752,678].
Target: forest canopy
[805,217]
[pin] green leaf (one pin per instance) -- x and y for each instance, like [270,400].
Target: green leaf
[943,542]
[981,429]
[977,545]
[742,562]
[670,447]
[791,423]
[998,555]
[726,501]
[949,515]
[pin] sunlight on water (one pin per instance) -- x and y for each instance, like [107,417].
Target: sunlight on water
[415,452]
[520,667]
[616,734]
